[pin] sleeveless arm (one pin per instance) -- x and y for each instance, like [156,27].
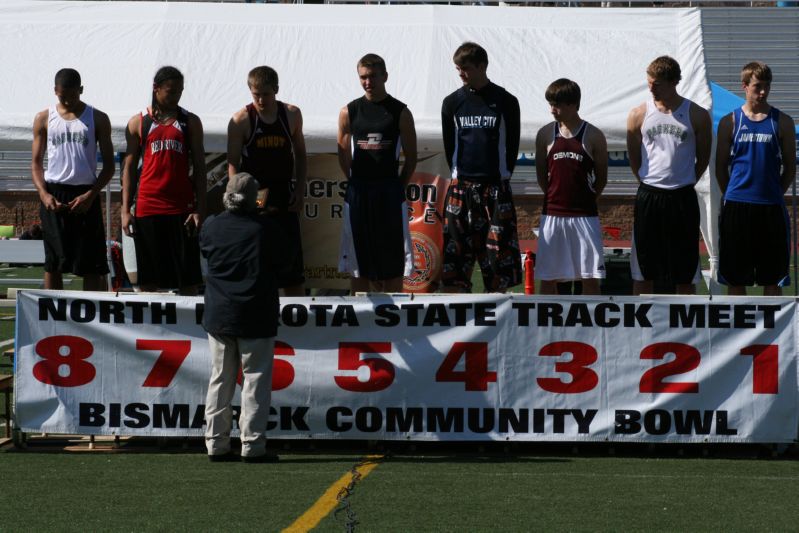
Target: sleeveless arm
[198,172]
[344,139]
[102,133]
[37,161]
[723,146]
[703,127]
[408,139]
[130,171]
[788,147]
[541,167]
[599,153]
[300,159]
[634,139]
[237,132]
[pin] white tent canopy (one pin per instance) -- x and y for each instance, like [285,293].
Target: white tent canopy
[118,46]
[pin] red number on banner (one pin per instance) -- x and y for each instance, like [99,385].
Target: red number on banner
[583,378]
[765,367]
[381,372]
[475,375]
[282,371]
[79,349]
[173,353]
[687,358]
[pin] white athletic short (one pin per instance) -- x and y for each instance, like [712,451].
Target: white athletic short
[569,248]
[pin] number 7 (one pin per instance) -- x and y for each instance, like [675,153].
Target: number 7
[173,353]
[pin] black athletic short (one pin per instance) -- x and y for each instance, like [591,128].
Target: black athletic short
[73,243]
[666,232]
[754,244]
[377,222]
[167,256]
[291,267]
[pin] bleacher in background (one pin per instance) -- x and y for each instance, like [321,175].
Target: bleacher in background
[735,36]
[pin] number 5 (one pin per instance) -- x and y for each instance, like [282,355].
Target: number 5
[381,372]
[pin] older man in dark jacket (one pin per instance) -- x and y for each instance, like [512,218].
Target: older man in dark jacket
[241,317]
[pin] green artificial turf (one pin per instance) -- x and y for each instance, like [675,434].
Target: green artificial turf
[159,492]
[130,491]
[576,494]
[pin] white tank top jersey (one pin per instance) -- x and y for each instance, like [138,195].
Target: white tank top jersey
[71,149]
[668,150]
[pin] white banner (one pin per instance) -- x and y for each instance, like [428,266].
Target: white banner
[494,367]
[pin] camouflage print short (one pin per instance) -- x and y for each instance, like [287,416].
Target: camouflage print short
[480,224]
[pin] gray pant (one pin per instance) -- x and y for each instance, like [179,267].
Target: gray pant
[256,357]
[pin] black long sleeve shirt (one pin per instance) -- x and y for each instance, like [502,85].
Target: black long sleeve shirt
[481,130]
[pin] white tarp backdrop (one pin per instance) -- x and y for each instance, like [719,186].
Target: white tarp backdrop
[118,46]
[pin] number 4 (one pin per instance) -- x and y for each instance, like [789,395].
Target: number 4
[475,375]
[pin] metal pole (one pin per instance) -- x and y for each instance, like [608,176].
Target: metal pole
[795,271]
[108,235]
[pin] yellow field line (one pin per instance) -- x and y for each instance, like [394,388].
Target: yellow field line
[328,501]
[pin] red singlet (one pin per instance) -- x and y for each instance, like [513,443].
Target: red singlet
[164,185]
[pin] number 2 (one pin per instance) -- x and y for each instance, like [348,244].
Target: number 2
[686,359]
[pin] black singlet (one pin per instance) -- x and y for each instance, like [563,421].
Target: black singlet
[375,141]
[269,155]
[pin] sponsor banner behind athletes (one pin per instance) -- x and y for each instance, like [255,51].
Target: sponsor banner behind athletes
[320,223]
[466,367]
[426,195]
[322,217]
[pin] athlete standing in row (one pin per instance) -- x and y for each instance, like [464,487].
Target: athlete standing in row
[480,125]
[72,220]
[668,141]
[265,140]
[170,198]
[372,132]
[755,165]
[571,158]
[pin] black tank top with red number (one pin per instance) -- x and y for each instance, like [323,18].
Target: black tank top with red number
[269,155]
[376,142]
[571,191]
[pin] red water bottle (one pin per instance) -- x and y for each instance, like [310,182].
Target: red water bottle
[529,272]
